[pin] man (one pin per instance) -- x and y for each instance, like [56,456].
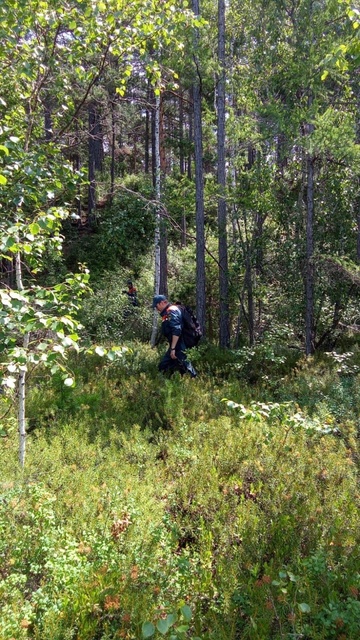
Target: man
[171,327]
[131,293]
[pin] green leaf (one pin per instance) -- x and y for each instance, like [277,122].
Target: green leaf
[147,630]
[34,228]
[164,624]
[3,180]
[304,608]
[291,576]
[186,612]
[172,617]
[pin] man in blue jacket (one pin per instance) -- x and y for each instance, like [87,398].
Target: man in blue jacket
[171,327]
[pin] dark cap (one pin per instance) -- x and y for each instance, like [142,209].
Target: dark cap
[157,299]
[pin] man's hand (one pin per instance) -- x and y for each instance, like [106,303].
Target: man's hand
[173,343]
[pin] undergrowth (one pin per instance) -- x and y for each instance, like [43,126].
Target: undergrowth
[211,508]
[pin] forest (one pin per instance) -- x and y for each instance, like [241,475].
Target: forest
[210,153]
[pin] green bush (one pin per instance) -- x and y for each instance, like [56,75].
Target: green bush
[181,508]
[107,315]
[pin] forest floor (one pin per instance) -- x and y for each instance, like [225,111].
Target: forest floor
[204,509]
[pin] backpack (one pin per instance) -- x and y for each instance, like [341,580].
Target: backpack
[191,330]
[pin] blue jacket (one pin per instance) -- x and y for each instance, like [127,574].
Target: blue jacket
[171,322]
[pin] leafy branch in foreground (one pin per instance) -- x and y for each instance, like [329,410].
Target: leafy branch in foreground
[38,325]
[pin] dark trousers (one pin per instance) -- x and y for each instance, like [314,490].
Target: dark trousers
[181,364]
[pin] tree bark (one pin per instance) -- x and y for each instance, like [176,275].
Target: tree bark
[181,134]
[48,119]
[357,200]
[224,331]
[113,145]
[147,129]
[309,268]
[155,122]
[182,161]
[250,298]
[21,377]
[91,168]
[199,186]
[191,114]
[157,179]
[163,285]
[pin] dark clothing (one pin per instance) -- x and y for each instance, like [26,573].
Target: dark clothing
[132,295]
[172,326]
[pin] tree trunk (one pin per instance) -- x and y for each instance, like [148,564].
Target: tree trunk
[91,168]
[77,166]
[358,224]
[309,268]
[163,285]
[191,113]
[96,156]
[250,297]
[248,288]
[21,409]
[113,145]
[357,200]
[199,186]
[48,119]
[224,332]
[157,178]
[155,155]
[182,161]
[181,134]
[21,377]
[147,129]
[162,128]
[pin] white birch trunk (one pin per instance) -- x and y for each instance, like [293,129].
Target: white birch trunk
[157,224]
[21,378]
